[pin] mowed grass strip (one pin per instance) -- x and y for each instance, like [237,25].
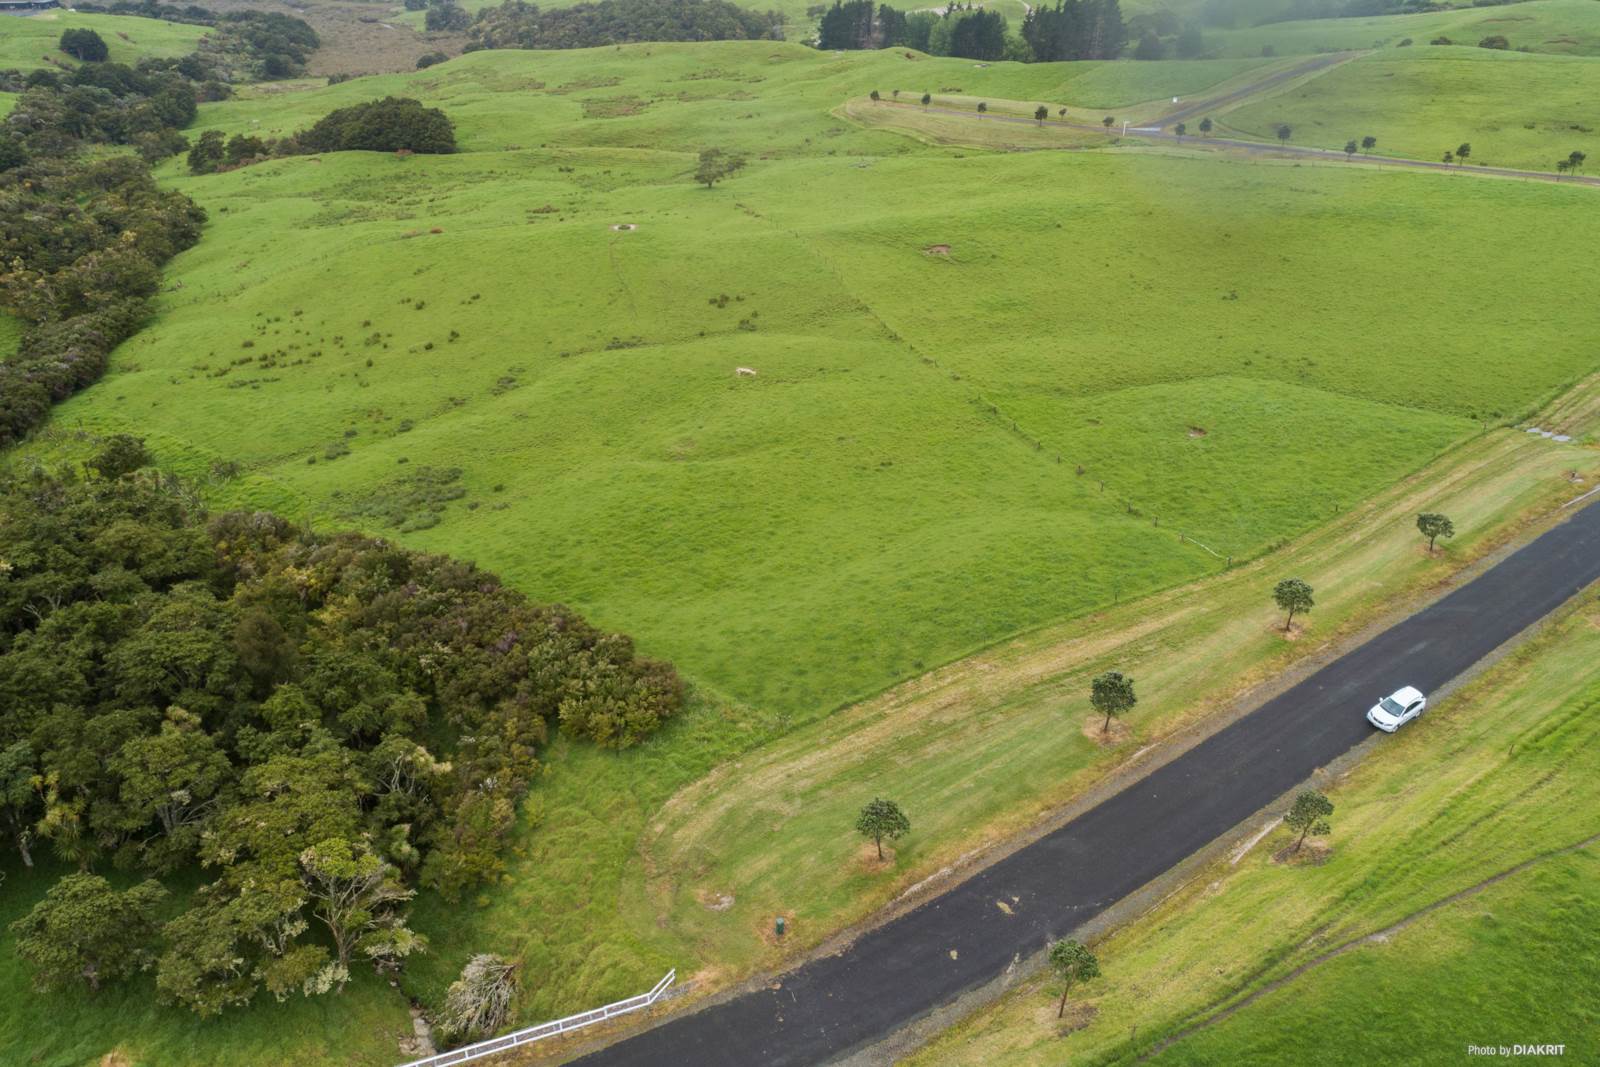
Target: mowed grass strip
[32,41]
[1516,110]
[1496,776]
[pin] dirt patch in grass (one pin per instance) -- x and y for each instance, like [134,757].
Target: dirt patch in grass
[1077,1017]
[1294,632]
[1311,854]
[712,901]
[866,857]
[624,227]
[1094,728]
[936,250]
[1197,431]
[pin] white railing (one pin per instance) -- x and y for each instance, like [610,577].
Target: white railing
[550,1029]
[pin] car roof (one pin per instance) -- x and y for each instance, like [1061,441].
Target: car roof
[1406,694]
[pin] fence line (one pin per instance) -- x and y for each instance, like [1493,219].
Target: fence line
[550,1029]
[1585,496]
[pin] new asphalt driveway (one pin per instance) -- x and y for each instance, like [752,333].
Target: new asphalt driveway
[963,938]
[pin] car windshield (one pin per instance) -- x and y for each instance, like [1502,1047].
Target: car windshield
[1388,704]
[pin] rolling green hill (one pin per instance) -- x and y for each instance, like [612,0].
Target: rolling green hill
[1561,26]
[990,390]
[1515,110]
[738,524]
[26,43]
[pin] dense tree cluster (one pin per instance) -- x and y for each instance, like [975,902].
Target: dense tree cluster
[99,103]
[318,724]
[516,24]
[393,124]
[445,16]
[81,247]
[1075,29]
[959,29]
[243,45]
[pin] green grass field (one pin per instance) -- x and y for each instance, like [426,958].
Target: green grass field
[1561,26]
[26,43]
[1500,775]
[897,486]
[991,390]
[1515,110]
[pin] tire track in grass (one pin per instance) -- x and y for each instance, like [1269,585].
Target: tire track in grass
[1376,937]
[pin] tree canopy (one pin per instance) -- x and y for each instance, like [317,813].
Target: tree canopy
[1072,962]
[1309,816]
[1111,693]
[1433,526]
[1294,596]
[715,165]
[516,24]
[84,44]
[880,819]
[322,724]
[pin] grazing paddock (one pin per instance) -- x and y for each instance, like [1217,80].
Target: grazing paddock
[979,377]
[28,42]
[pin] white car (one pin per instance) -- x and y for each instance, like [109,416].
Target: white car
[1393,712]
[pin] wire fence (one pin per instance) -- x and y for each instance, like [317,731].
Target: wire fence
[467,1053]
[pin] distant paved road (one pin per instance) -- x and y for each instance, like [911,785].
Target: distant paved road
[1213,104]
[926,958]
[1260,148]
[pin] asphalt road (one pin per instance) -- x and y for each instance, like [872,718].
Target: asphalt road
[1213,104]
[922,960]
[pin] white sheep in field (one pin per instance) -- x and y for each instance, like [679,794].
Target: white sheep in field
[744,372]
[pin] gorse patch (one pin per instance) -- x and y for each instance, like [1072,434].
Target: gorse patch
[85,243]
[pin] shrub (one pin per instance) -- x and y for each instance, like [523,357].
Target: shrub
[430,59]
[1495,41]
[479,1002]
[85,45]
[386,125]
[446,16]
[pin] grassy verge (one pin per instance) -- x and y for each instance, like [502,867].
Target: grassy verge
[980,750]
[1501,774]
